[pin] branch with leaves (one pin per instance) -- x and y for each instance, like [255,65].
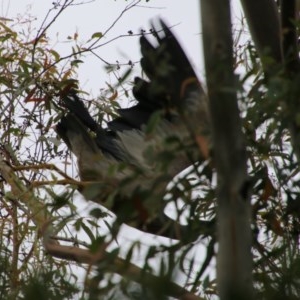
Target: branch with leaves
[43,220]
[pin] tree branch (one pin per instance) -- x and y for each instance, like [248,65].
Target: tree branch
[234,261]
[291,68]
[42,219]
[119,266]
[264,24]
[289,33]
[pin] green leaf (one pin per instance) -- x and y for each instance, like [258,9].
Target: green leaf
[97,35]
[55,54]
[98,213]
[88,231]
[76,62]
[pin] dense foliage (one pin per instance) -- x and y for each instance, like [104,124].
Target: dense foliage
[56,245]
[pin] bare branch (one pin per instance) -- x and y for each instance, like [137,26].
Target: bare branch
[289,33]
[264,24]
[291,67]
[234,259]
[44,167]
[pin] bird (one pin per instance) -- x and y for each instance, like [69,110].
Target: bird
[128,163]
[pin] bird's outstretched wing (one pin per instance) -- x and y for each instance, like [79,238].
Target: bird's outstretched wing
[125,157]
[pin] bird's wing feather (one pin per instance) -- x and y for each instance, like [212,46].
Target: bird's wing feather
[170,91]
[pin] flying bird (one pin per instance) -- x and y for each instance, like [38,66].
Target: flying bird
[128,164]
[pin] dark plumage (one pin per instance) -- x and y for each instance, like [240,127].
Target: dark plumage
[123,159]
